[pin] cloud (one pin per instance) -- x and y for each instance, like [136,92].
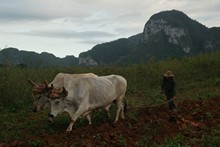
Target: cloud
[39,10]
[90,22]
[69,34]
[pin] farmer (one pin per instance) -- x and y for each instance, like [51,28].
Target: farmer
[169,88]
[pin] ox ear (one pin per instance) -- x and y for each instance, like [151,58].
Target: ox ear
[65,92]
[32,83]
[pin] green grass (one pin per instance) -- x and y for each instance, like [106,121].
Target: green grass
[207,140]
[196,77]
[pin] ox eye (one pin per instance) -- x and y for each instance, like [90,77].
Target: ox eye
[39,97]
[57,102]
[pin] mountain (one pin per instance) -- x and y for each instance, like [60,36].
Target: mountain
[13,57]
[107,53]
[166,34]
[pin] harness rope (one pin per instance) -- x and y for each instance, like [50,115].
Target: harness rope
[146,105]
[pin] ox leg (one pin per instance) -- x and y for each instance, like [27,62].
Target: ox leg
[70,126]
[123,108]
[122,111]
[78,113]
[88,116]
[120,108]
[118,111]
[107,110]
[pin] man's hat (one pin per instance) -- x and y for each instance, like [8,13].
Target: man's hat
[169,74]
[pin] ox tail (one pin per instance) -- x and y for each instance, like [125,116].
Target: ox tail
[125,105]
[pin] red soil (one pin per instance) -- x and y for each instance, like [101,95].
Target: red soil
[152,124]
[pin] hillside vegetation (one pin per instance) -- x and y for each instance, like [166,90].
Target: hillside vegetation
[197,78]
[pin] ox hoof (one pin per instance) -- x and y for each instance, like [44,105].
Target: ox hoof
[67,130]
[115,122]
[51,120]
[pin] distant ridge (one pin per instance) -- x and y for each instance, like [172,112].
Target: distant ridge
[14,57]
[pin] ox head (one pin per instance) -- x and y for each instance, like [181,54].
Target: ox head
[39,94]
[57,103]
[58,93]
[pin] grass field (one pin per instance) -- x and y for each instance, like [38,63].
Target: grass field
[196,77]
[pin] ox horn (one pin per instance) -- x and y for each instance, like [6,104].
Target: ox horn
[46,83]
[65,92]
[52,87]
[32,83]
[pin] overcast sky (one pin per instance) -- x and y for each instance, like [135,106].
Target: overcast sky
[69,27]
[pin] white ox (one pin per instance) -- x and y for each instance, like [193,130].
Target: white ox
[84,95]
[40,91]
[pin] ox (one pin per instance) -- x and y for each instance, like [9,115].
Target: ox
[41,91]
[39,94]
[84,95]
